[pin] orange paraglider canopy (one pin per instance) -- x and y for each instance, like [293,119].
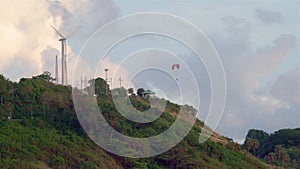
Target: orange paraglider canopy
[175,66]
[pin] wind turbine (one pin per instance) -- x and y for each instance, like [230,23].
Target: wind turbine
[64,72]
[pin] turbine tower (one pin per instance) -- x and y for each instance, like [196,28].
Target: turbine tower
[64,72]
[56,70]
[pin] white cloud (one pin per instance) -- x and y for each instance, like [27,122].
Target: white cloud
[28,43]
[244,65]
[24,33]
[287,87]
[267,16]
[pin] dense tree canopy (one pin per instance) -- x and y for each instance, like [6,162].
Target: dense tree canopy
[280,148]
[140,92]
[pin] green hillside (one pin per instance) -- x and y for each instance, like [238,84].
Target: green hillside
[44,132]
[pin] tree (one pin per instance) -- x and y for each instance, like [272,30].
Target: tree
[248,144]
[130,91]
[294,153]
[45,76]
[263,137]
[260,135]
[7,110]
[140,92]
[252,144]
[281,153]
[271,157]
[278,151]
[255,145]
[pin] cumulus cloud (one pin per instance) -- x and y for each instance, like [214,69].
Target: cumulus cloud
[26,35]
[270,56]
[244,65]
[268,16]
[48,59]
[286,88]
[87,15]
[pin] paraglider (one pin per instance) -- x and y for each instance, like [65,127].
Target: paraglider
[175,66]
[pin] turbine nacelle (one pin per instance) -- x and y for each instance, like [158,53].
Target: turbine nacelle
[62,39]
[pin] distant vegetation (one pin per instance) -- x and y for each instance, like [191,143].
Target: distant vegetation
[281,148]
[43,132]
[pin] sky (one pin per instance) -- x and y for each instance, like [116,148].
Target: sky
[257,42]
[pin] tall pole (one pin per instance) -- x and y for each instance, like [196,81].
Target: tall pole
[85,82]
[106,87]
[65,62]
[56,70]
[111,82]
[64,73]
[120,79]
[62,62]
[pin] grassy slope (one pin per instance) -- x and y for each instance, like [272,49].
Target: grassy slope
[34,144]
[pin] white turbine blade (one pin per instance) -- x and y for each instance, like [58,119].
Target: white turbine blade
[72,34]
[58,32]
